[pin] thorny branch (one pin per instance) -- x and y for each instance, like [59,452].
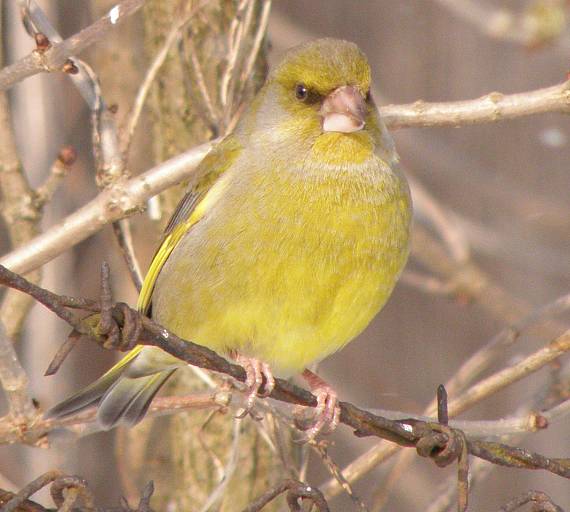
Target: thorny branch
[295,491]
[68,493]
[443,444]
[540,501]
[469,371]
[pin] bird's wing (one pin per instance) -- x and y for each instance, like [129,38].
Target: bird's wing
[204,191]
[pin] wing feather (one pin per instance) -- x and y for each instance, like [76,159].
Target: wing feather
[202,193]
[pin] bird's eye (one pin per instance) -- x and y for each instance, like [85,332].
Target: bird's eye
[301,92]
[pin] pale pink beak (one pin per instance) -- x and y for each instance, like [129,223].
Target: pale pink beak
[344,110]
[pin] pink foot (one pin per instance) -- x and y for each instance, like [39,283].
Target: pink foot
[255,371]
[326,415]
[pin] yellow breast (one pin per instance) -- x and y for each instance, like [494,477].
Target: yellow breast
[289,264]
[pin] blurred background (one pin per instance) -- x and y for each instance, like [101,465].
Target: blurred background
[504,186]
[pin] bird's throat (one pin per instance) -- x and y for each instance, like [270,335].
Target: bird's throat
[341,148]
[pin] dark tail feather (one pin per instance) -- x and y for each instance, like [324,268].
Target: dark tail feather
[123,394]
[129,398]
[88,396]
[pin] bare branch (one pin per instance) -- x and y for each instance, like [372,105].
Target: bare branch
[15,383]
[54,58]
[129,196]
[511,374]
[118,201]
[58,172]
[86,422]
[490,108]
[462,378]
[20,213]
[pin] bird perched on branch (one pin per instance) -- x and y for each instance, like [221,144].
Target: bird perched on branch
[288,242]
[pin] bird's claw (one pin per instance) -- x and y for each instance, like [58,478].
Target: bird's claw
[256,371]
[326,415]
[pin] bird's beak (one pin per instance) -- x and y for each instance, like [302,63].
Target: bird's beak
[344,110]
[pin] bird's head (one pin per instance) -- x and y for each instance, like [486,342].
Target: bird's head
[320,94]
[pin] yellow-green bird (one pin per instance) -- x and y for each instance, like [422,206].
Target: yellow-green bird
[286,246]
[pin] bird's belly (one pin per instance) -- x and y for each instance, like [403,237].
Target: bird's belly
[288,290]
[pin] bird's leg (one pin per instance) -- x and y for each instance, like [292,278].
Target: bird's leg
[326,416]
[256,371]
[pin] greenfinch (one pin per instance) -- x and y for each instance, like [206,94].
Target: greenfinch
[288,242]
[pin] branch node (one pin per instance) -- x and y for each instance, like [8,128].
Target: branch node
[70,67]
[67,156]
[42,42]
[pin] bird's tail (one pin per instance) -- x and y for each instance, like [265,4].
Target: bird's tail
[123,394]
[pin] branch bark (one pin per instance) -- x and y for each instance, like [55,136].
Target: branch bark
[124,198]
[54,58]
[434,440]
[490,108]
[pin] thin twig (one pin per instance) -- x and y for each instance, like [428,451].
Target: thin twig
[15,383]
[119,201]
[171,39]
[85,422]
[229,470]
[123,235]
[336,472]
[59,170]
[239,28]
[295,490]
[256,46]
[211,113]
[425,205]
[56,56]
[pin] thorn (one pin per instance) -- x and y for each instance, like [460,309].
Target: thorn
[442,413]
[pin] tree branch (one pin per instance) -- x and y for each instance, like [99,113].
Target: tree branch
[129,196]
[122,199]
[55,57]
[490,108]
[14,382]
[125,327]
